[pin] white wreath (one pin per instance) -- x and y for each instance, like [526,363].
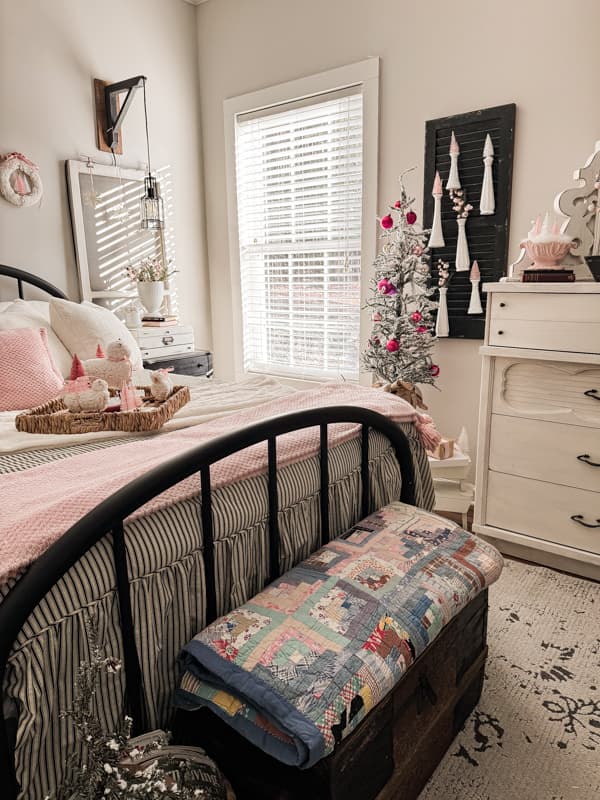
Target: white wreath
[16,162]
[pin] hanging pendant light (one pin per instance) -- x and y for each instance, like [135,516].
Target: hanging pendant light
[152,212]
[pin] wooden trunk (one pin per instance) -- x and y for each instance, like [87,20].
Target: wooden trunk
[394,750]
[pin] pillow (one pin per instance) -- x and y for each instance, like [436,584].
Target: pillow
[83,326]
[36,314]
[28,375]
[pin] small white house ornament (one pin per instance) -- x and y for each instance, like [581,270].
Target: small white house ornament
[20,181]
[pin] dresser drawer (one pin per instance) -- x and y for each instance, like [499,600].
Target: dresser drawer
[543,510]
[566,307]
[546,335]
[554,391]
[546,451]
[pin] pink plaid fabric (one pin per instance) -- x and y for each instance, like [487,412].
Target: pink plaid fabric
[39,505]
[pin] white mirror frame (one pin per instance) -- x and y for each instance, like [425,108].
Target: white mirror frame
[74,169]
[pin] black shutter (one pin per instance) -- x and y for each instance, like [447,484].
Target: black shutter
[488,235]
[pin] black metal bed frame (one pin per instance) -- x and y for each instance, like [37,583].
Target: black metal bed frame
[110,516]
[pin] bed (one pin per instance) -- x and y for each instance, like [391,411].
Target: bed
[153,582]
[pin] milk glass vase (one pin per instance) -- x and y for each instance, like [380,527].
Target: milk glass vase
[151,294]
[442,326]
[463,261]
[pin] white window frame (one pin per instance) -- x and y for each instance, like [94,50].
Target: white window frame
[364,75]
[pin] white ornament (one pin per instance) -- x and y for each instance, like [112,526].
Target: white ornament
[453,181]
[162,385]
[463,260]
[475,301]
[463,441]
[442,326]
[436,238]
[13,187]
[487,204]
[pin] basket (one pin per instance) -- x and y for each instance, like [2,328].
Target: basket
[54,417]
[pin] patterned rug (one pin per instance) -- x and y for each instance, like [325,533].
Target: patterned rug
[535,734]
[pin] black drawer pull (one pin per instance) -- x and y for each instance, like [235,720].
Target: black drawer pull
[593,393]
[579,518]
[502,305]
[586,460]
[168,339]
[500,333]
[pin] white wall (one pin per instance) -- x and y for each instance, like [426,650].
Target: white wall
[437,58]
[50,51]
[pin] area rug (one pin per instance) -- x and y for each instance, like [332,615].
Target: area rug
[535,734]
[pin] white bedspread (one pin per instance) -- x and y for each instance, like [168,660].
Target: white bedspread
[209,399]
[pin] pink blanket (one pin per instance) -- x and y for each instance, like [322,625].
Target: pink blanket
[39,505]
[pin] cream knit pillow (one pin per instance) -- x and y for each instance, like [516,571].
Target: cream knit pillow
[81,327]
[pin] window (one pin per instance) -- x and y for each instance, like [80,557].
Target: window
[299,178]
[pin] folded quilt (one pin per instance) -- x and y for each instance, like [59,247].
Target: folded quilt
[297,668]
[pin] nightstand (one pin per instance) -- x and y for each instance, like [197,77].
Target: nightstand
[164,341]
[198,362]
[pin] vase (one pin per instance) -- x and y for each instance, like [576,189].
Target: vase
[151,294]
[436,238]
[442,326]
[463,261]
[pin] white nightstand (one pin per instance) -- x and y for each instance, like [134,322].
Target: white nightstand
[164,342]
[452,492]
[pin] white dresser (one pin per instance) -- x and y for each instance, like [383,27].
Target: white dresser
[537,490]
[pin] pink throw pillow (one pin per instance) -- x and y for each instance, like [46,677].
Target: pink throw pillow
[28,375]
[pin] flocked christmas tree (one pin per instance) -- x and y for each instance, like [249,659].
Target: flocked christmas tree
[402,338]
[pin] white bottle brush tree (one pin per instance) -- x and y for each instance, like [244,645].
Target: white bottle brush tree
[401,342]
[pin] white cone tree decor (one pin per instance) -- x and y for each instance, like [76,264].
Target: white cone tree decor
[487,204]
[402,339]
[436,239]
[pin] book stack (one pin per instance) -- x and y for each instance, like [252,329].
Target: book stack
[158,321]
[548,276]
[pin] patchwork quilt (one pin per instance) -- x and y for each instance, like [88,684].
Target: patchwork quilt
[298,667]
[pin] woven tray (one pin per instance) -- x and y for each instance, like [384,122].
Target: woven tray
[53,417]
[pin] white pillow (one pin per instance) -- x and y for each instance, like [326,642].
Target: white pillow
[36,314]
[83,326]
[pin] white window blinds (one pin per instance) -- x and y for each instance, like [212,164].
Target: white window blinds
[299,199]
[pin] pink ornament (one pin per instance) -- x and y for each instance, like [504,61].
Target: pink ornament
[435,370]
[386,222]
[411,217]
[376,317]
[398,204]
[421,329]
[416,316]
[385,287]
[392,346]
[417,250]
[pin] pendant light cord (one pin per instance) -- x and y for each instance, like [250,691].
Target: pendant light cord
[147,134]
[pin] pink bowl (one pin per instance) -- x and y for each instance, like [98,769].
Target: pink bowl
[546,255]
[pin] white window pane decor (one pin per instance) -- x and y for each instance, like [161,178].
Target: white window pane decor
[299,199]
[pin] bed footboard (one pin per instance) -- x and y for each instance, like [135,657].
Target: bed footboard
[109,517]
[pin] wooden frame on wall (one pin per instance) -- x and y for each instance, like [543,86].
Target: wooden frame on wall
[487,235]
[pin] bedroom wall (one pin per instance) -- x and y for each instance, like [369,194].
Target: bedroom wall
[49,54]
[537,54]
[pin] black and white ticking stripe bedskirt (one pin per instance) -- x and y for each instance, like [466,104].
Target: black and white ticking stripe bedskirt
[167,582]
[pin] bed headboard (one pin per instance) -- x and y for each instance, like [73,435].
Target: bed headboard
[22,277]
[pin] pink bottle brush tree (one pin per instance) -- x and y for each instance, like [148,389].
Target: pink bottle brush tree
[400,299]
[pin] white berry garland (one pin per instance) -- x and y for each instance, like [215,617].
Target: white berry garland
[16,162]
